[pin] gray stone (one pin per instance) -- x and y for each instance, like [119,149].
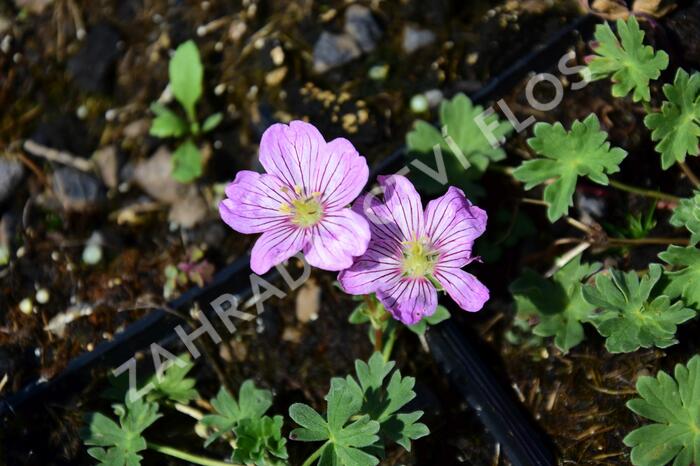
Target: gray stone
[92,68]
[11,173]
[77,191]
[415,38]
[189,209]
[108,165]
[333,50]
[154,177]
[361,26]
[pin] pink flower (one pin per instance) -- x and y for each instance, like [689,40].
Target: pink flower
[300,204]
[412,250]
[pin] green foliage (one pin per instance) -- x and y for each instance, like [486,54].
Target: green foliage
[186,74]
[174,384]
[506,229]
[630,63]
[677,125]
[465,149]
[440,314]
[119,444]
[557,303]
[167,123]
[187,162]
[259,441]
[638,225]
[583,151]
[674,408]
[687,215]
[630,318]
[685,281]
[362,415]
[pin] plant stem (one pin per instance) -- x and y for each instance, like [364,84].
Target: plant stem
[644,241]
[183,455]
[689,173]
[644,192]
[309,461]
[386,353]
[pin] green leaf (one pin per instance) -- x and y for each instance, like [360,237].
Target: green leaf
[166,123]
[212,122]
[119,444]
[440,314]
[187,163]
[252,404]
[676,125]
[685,281]
[630,63]
[630,318]
[259,441]
[687,215]
[186,75]
[583,151]
[556,304]
[465,149]
[174,385]
[674,408]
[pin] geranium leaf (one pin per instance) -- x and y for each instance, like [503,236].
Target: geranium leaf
[687,215]
[684,281]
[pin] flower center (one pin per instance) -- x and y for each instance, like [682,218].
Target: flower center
[418,258]
[306,212]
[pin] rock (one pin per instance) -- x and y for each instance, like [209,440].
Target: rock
[11,173]
[92,67]
[361,26]
[415,38]
[333,50]
[153,176]
[188,210]
[308,301]
[77,191]
[108,165]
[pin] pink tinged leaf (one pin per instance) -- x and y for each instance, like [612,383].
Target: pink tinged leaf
[276,246]
[464,288]
[409,299]
[340,174]
[292,153]
[404,204]
[379,267]
[337,240]
[453,223]
[253,203]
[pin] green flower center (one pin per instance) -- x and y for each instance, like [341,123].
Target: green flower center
[305,211]
[418,258]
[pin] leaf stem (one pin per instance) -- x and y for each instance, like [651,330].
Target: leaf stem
[689,173]
[644,241]
[183,455]
[388,348]
[644,192]
[309,461]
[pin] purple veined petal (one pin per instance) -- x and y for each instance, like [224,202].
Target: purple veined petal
[378,267]
[381,222]
[341,174]
[276,246]
[337,240]
[464,288]
[291,152]
[404,203]
[453,223]
[409,299]
[253,203]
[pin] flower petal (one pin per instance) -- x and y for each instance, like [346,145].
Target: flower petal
[378,267]
[337,240]
[274,247]
[409,299]
[291,152]
[341,174]
[453,223]
[464,288]
[253,203]
[404,204]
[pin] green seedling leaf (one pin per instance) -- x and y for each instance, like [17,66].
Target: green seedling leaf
[174,384]
[252,403]
[674,408]
[212,122]
[440,314]
[556,304]
[259,441]
[583,151]
[186,74]
[465,149]
[629,62]
[187,163]
[676,125]
[630,318]
[119,444]
[687,215]
[166,123]
[685,280]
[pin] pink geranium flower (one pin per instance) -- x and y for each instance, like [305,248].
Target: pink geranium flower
[300,204]
[412,251]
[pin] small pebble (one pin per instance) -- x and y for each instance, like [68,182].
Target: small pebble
[26,306]
[92,254]
[20,252]
[55,256]
[82,112]
[42,296]
[419,103]
[37,352]
[378,72]
[220,89]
